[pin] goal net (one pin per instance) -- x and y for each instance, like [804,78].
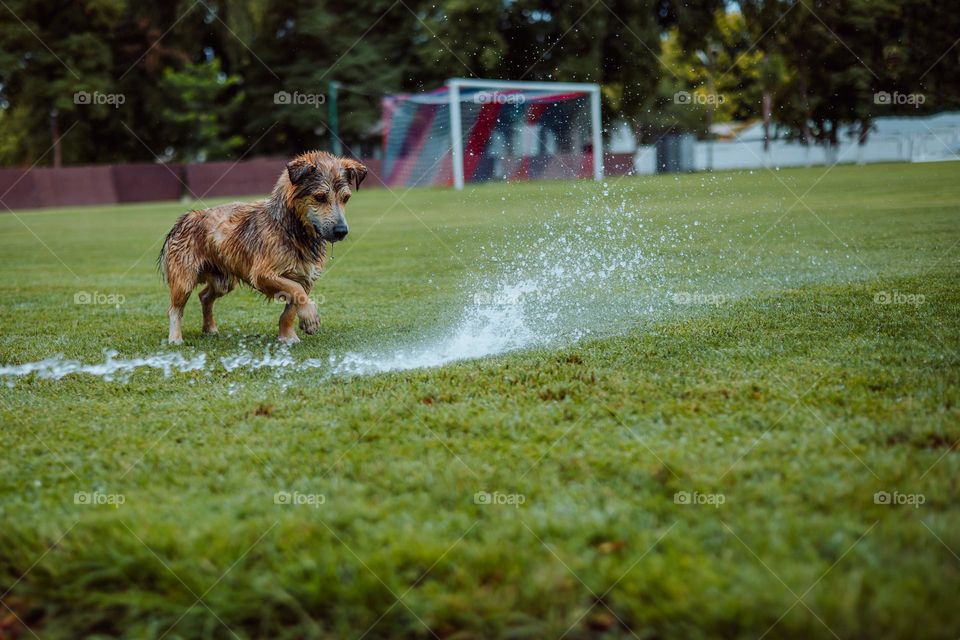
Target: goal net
[474,130]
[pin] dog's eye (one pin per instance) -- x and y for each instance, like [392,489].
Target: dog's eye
[346,197]
[321,197]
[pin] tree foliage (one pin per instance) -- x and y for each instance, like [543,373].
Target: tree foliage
[199,80]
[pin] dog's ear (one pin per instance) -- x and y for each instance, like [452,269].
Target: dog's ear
[355,171]
[298,169]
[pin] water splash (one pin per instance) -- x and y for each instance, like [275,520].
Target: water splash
[559,284]
[485,329]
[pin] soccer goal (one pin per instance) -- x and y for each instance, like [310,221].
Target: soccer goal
[473,130]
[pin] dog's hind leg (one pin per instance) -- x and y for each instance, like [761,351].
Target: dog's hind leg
[181,285]
[217,286]
[178,300]
[180,261]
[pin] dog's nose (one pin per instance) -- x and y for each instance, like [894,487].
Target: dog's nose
[340,231]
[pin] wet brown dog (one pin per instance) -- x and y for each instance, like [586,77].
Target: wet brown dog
[277,246]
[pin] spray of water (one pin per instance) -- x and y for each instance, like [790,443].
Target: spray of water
[561,281]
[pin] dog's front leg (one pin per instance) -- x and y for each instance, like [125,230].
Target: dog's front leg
[278,287]
[287,318]
[309,316]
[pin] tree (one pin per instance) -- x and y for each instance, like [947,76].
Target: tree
[808,67]
[727,73]
[44,78]
[202,102]
[306,45]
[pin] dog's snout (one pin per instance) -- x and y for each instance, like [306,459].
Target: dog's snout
[340,231]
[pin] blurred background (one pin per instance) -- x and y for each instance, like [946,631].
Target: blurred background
[90,82]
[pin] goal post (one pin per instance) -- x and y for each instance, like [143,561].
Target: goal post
[497,86]
[456,134]
[475,130]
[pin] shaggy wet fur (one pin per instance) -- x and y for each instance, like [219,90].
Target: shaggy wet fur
[277,246]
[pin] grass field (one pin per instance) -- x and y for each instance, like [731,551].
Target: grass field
[761,355]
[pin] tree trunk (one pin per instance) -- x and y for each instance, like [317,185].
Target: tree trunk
[864,131]
[767,112]
[55,138]
[805,134]
[710,107]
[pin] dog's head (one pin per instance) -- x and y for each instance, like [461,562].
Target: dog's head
[320,186]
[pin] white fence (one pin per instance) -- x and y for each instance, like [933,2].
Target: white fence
[935,146]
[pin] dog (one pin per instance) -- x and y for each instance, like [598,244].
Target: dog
[277,246]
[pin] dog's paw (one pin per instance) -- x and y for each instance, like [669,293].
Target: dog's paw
[309,319]
[310,325]
[291,339]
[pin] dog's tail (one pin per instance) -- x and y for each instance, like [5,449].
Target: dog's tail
[162,258]
[174,240]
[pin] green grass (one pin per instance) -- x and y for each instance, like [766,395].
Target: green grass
[793,402]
